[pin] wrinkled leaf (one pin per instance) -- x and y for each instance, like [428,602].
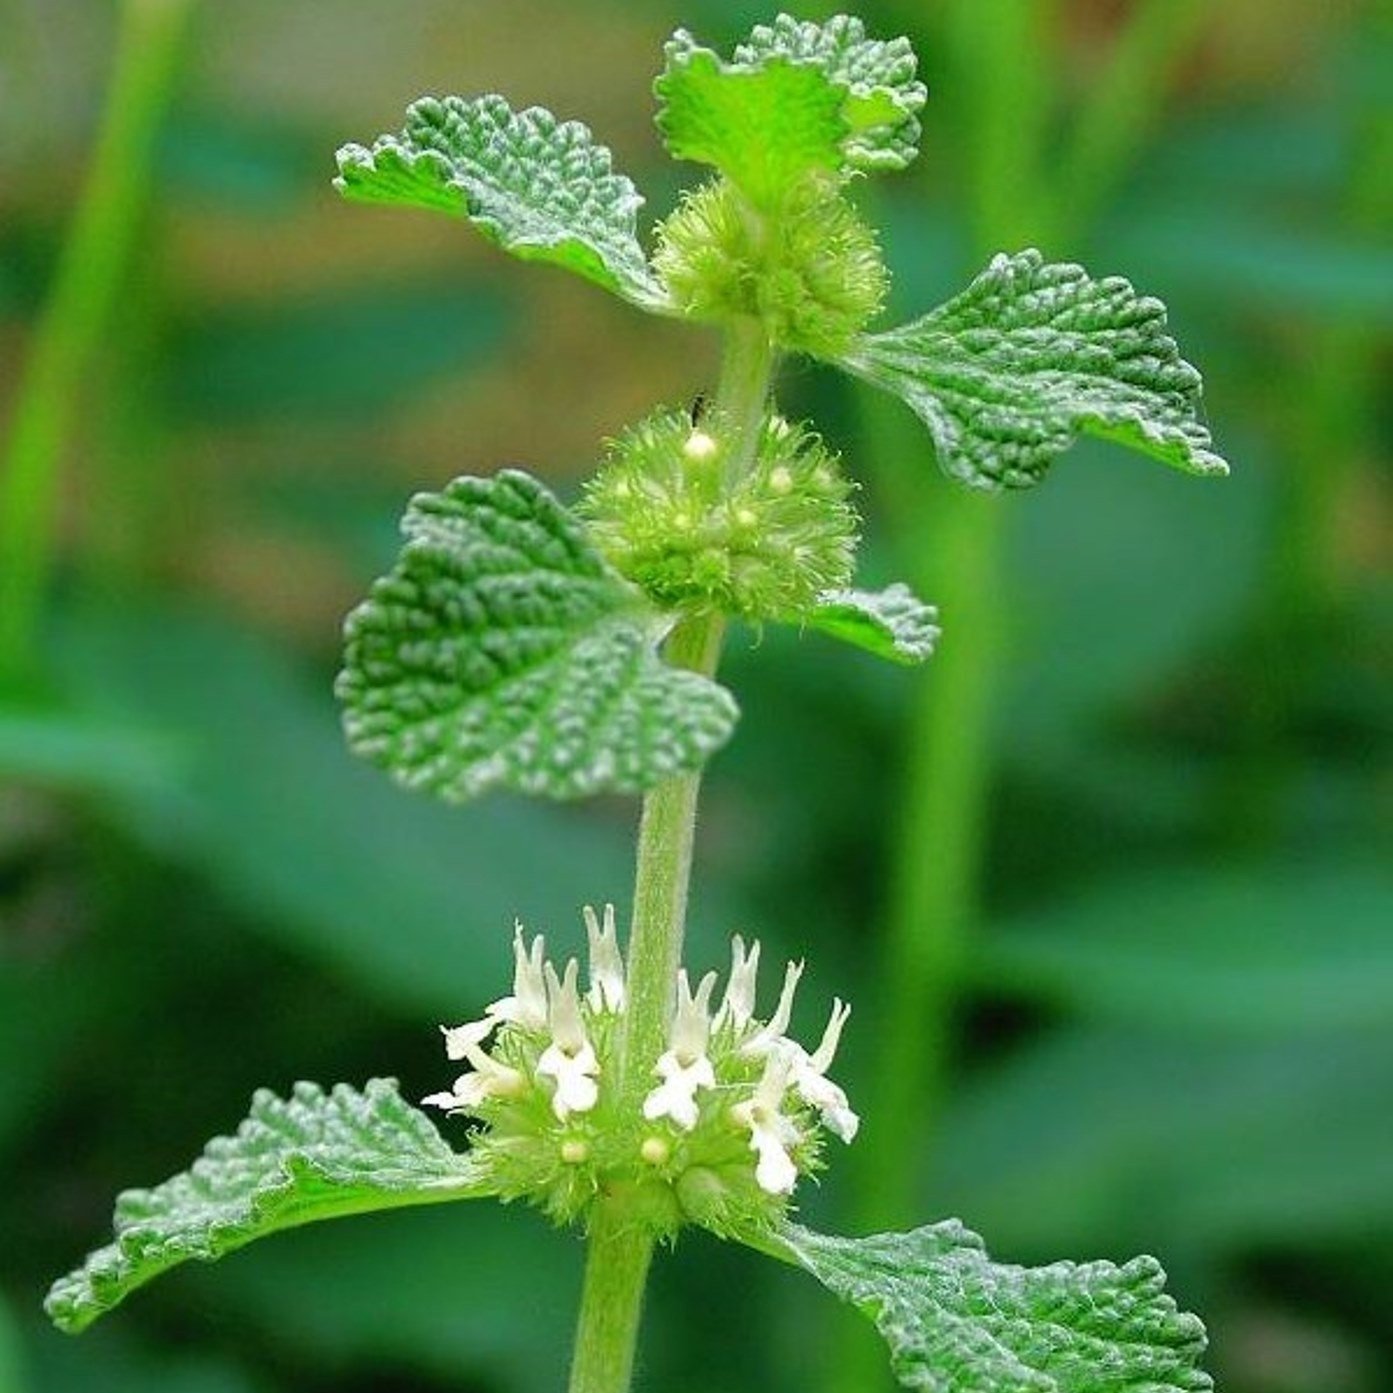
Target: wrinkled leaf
[1031,355]
[891,623]
[881,93]
[795,98]
[503,650]
[956,1320]
[293,1161]
[539,188]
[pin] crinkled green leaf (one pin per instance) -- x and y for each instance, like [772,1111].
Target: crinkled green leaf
[540,188]
[957,1322]
[1030,356]
[881,94]
[763,127]
[891,623]
[503,650]
[315,1155]
[794,99]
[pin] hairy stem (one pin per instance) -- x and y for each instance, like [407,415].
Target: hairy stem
[619,1252]
[78,307]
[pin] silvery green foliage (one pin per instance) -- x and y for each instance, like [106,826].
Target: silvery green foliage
[540,188]
[314,1155]
[957,1322]
[1031,355]
[503,650]
[891,623]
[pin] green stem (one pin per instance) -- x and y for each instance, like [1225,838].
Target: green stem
[77,311]
[619,1252]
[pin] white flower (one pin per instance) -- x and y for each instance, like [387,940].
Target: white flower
[771,1133]
[570,1058]
[684,1067]
[458,1038]
[606,965]
[488,1079]
[815,1088]
[738,1004]
[527,1006]
[773,1034]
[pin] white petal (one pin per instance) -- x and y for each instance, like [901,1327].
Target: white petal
[738,1004]
[458,1038]
[826,1052]
[606,964]
[775,1172]
[675,1097]
[774,1032]
[563,1008]
[527,1006]
[691,1025]
[574,1076]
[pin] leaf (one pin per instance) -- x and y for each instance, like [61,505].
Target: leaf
[503,650]
[1031,355]
[881,94]
[539,188]
[891,623]
[314,1156]
[764,128]
[795,98]
[956,1320]
[1230,948]
[1134,1134]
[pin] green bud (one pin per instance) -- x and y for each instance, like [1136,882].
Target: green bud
[763,545]
[811,271]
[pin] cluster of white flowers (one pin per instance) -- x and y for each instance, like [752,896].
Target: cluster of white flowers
[727,1083]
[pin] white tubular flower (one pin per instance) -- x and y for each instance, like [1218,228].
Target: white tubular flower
[772,1034]
[771,1133]
[488,1079]
[738,1004]
[527,1006]
[606,965]
[816,1089]
[684,1067]
[570,1059]
[458,1038]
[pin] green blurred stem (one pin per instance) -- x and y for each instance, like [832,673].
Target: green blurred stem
[619,1252]
[77,311]
[1119,109]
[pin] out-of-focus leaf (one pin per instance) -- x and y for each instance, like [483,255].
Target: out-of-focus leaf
[409,898]
[114,1363]
[1117,577]
[341,357]
[1254,255]
[397,1290]
[311,1156]
[66,750]
[955,1319]
[1103,1138]
[1268,948]
[12,1374]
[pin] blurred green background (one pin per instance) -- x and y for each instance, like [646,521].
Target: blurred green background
[1123,870]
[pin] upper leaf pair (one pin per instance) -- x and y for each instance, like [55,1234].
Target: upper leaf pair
[952,1317]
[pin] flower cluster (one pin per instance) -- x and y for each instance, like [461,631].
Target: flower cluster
[716,1131]
[764,541]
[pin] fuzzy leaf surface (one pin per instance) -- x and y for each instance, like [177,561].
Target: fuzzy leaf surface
[957,1322]
[881,95]
[542,189]
[502,650]
[795,98]
[315,1155]
[1031,355]
[892,623]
